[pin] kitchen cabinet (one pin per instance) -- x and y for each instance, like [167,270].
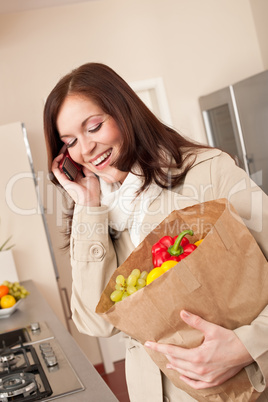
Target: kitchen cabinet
[22,217]
[28,214]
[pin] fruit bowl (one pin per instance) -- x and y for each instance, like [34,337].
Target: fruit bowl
[6,312]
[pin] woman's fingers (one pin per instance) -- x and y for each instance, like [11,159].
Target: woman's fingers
[197,322]
[219,357]
[85,190]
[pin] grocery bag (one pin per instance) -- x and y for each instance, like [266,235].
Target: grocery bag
[225,281]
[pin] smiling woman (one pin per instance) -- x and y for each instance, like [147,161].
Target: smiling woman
[127,186]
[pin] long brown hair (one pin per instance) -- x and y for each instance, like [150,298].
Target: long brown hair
[145,137]
[146,140]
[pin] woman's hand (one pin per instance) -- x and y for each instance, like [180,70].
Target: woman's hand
[85,190]
[218,358]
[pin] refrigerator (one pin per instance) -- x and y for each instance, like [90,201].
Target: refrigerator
[236,121]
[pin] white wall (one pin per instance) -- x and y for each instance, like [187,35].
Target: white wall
[196,47]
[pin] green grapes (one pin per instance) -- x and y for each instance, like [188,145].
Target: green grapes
[120,280]
[136,272]
[141,283]
[131,289]
[132,280]
[144,275]
[125,287]
[16,289]
[116,295]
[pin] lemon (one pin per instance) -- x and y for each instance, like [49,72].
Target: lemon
[153,274]
[7,301]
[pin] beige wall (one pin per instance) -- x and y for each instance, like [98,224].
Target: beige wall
[195,46]
[260,13]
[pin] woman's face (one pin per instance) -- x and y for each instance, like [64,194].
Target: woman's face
[93,137]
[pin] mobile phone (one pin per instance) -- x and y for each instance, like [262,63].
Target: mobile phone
[69,167]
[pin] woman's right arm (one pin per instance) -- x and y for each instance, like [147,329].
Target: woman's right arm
[93,257]
[93,261]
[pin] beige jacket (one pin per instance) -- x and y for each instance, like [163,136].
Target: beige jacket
[94,258]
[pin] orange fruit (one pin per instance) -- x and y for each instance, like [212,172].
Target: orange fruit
[153,274]
[7,301]
[3,290]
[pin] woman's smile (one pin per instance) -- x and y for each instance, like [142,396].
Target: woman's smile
[102,160]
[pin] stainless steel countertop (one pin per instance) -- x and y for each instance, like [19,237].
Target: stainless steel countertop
[35,309]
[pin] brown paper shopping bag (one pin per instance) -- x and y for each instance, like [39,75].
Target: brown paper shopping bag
[219,281]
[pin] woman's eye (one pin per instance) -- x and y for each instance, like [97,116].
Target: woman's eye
[95,128]
[71,143]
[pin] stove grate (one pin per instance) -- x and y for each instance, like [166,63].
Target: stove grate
[10,387]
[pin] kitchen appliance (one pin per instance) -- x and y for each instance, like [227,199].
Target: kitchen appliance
[33,366]
[236,121]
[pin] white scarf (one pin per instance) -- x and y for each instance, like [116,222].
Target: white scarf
[126,210]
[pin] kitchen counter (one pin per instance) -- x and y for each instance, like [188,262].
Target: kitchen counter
[35,309]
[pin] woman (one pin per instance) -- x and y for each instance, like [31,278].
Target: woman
[132,162]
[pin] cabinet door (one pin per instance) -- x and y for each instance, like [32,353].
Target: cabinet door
[88,344]
[221,124]
[22,217]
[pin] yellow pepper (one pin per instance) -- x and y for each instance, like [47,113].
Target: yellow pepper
[198,242]
[168,264]
[158,271]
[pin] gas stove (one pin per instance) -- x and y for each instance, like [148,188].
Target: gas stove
[33,366]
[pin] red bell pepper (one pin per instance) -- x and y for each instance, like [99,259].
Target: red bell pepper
[172,248]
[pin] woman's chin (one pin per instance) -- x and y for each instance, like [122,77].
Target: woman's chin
[115,176]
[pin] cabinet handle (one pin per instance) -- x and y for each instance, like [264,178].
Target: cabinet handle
[68,313]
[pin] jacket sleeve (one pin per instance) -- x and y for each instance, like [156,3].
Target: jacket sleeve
[93,261]
[251,203]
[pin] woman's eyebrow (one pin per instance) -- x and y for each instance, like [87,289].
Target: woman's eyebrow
[65,135]
[83,124]
[88,118]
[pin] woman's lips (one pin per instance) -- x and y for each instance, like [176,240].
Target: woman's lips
[101,158]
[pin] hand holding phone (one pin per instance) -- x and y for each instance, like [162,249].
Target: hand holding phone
[69,167]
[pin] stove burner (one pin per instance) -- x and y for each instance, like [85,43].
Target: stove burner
[22,377]
[9,362]
[33,367]
[7,358]
[12,359]
[17,384]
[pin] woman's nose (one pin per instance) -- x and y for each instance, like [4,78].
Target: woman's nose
[87,146]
